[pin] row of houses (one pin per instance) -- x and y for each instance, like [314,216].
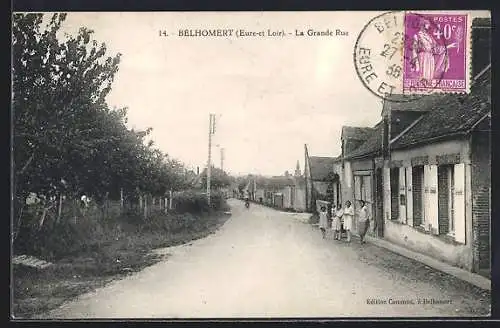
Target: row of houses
[424,170]
[286,192]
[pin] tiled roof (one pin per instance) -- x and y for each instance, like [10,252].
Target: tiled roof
[355,132]
[371,146]
[299,181]
[417,104]
[451,115]
[279,182]
[321,167]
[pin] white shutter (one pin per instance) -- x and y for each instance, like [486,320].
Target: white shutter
[431,217]
[409,196]
[367,184]
[402,192]
[425,195]
[357,187]
[387,193]
[459,202]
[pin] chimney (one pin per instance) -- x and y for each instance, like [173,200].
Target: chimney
[481,44]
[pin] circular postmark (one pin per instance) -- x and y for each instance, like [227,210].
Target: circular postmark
[393,53]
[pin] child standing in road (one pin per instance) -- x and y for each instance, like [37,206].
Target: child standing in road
[337,222]
[323,221]
[348,219]
[364,220]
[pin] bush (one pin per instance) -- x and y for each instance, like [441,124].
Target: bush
[196,202]
[92,233]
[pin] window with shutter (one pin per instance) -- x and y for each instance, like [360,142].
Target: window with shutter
[445,198]
[431,212]
[394,176]
[409,196]
[418,195]
[459,203]
[426,217]
[367,188]
[402,195]
[451,226]
[387,193]
[357,187]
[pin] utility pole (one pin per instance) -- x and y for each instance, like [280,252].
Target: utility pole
[211,130]
[306,167]
[222,159]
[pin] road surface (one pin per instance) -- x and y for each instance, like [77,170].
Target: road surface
[265,263]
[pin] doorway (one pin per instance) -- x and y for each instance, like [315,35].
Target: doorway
[379,203]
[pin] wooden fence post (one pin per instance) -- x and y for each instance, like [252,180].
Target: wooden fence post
[75,209]
[59,210]
[166,204]
[121,200]
[170,201]
[145,207]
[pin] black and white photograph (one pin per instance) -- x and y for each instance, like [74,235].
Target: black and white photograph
[248,165]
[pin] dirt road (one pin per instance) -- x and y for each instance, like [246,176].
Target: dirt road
[265,263]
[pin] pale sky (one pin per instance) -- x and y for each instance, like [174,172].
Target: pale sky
[272,95]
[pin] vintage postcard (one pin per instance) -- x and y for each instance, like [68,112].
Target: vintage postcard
[248,165]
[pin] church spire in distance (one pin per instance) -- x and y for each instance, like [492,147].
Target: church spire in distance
[297,169]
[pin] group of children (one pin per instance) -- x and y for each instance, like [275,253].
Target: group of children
[345,217]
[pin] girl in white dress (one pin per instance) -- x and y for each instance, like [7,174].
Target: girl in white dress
[348,219]
[323,221]
[337,222]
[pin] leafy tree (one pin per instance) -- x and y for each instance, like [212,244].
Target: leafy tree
[218,178]
[66,138]
[59,95]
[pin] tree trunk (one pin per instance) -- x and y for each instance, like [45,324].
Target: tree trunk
[121,201]
[75,209]
[26,165]
[44,214]
[17,228]
[106,205]
[59,210]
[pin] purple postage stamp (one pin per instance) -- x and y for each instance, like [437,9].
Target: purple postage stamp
[403,55]
[436,52]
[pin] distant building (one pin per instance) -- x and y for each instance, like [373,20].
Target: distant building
[320,178]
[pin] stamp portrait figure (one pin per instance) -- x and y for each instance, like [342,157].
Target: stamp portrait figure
[429,58]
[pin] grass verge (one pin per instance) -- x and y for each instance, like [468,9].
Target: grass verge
[125,250]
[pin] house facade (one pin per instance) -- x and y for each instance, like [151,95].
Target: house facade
[360,146]
[286,192]
[439,181]
[319,180]
[425,174]
[437,172]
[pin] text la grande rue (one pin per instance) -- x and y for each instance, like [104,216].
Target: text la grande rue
[327,32]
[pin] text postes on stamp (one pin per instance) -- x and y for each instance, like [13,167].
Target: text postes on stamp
[399,56]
